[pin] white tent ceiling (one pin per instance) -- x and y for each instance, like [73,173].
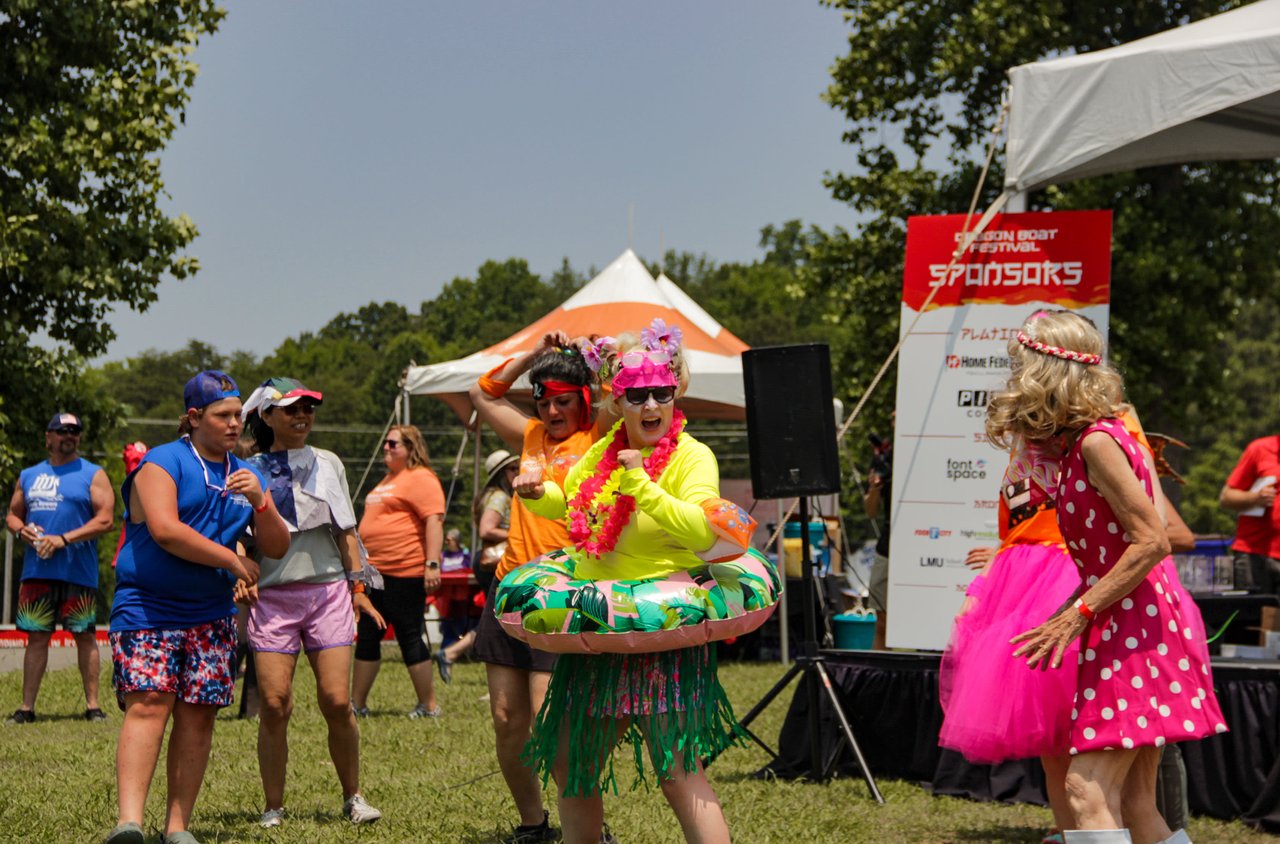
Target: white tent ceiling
[1206,91]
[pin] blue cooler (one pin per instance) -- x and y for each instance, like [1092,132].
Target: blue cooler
[854,631]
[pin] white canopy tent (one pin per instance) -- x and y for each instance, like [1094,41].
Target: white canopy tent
[1206,91]
[622,297]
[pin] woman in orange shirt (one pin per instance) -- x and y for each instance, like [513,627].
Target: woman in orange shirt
[563,430]
[403,533]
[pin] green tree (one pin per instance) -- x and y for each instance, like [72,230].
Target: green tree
[93,91]
[1193,245]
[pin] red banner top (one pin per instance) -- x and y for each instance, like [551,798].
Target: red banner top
[1059,257]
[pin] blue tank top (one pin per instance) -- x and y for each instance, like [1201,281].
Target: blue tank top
[57,499]
[156,590]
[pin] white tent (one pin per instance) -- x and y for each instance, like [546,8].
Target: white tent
[1206,91]
[623,297]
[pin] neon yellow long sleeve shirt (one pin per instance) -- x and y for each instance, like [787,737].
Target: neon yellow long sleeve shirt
[668,526]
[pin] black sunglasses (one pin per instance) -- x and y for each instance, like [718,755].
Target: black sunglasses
[67,431]
[393,444]
[295,409]
[640,395]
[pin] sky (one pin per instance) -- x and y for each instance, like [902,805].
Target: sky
[337,153]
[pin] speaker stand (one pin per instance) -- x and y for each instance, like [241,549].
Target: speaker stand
[812,665]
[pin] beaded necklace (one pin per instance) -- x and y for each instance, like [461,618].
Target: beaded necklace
[595,522]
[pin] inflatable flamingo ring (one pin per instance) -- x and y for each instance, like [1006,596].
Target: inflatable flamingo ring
[541,603]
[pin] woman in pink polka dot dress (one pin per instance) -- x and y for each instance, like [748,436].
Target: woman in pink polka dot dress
[1143,669]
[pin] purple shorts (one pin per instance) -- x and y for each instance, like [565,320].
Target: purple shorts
[297,617]
[195,663]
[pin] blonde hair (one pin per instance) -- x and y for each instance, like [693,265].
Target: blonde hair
[629,342]
[414,444]
[1048,395]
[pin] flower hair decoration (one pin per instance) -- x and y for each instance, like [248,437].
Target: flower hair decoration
[661,337]
[1058,352]
[594,351]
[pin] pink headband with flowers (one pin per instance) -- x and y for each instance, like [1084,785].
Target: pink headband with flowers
[652,366]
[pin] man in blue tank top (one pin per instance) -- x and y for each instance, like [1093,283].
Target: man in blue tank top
[59,508]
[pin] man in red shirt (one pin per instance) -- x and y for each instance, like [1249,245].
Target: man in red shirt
[1250,491]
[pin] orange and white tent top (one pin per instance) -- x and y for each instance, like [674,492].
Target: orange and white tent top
[624,297]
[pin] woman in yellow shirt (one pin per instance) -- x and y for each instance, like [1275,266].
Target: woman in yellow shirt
[634,509]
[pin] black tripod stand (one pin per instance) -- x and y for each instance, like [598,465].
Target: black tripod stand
[813,665]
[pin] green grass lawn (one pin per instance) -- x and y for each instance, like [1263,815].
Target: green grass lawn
[437,780]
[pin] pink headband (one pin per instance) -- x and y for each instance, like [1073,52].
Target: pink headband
[644,369]
[1065,354]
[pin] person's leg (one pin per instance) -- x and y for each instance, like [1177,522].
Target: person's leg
[331,667]
[189,744]
[1138,799]
[368,656]
[695,804]
[1094,784]
[87,656]
[34,663]
[146,714]
[424,683]
[275,691]
[510,705]
[459,648]
[1055,784]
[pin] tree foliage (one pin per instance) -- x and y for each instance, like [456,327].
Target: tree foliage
[93,91]
[1193,245]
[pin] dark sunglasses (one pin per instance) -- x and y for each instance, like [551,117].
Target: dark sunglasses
[640,395]
[295,409]
[67,431]
[392,444]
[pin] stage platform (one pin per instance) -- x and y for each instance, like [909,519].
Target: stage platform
[891,699]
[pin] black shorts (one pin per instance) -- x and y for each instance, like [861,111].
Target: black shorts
[402,602]
[495,647]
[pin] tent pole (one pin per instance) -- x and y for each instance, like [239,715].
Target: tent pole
[475,482]
[404,406]
[1017,203]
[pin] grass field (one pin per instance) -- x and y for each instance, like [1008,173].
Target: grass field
[437,781]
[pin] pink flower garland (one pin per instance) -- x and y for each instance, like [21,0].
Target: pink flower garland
[585,513]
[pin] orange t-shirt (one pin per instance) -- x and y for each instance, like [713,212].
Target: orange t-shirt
[531,536]
[395,512]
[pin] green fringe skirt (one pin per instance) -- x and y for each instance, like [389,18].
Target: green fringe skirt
[671,700]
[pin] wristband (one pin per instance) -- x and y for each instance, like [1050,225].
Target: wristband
[491,385]
[65,542]
[357,588]
[263,508]
[1083,609]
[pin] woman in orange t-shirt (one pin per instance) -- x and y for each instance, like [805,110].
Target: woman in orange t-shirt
[403,533]
[563,430]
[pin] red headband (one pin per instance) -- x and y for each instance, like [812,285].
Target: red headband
[1057,352]
[546,389]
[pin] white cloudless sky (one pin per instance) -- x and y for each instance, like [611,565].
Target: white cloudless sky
[338,153]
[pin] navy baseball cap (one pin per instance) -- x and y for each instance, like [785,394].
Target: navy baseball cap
[64,420]
[208,387]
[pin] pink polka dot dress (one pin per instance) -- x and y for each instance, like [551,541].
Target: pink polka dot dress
[1143,677]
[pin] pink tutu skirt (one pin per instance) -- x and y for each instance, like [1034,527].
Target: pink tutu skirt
[995,707]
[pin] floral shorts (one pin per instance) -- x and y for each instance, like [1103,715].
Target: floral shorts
[194,663]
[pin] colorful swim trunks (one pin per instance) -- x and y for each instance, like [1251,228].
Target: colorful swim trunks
[195,663]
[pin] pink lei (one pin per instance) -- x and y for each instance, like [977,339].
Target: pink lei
[595,520]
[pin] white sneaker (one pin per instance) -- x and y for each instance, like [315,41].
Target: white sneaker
[271,818]
[358,810]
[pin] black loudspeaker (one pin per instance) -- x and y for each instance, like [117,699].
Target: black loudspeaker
[791,425]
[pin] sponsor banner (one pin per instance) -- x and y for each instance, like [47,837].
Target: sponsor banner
[946,476]
[1061,259]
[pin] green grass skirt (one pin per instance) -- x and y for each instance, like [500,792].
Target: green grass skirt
[671,699]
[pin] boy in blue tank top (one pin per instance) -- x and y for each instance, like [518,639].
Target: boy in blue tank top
[59,508]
